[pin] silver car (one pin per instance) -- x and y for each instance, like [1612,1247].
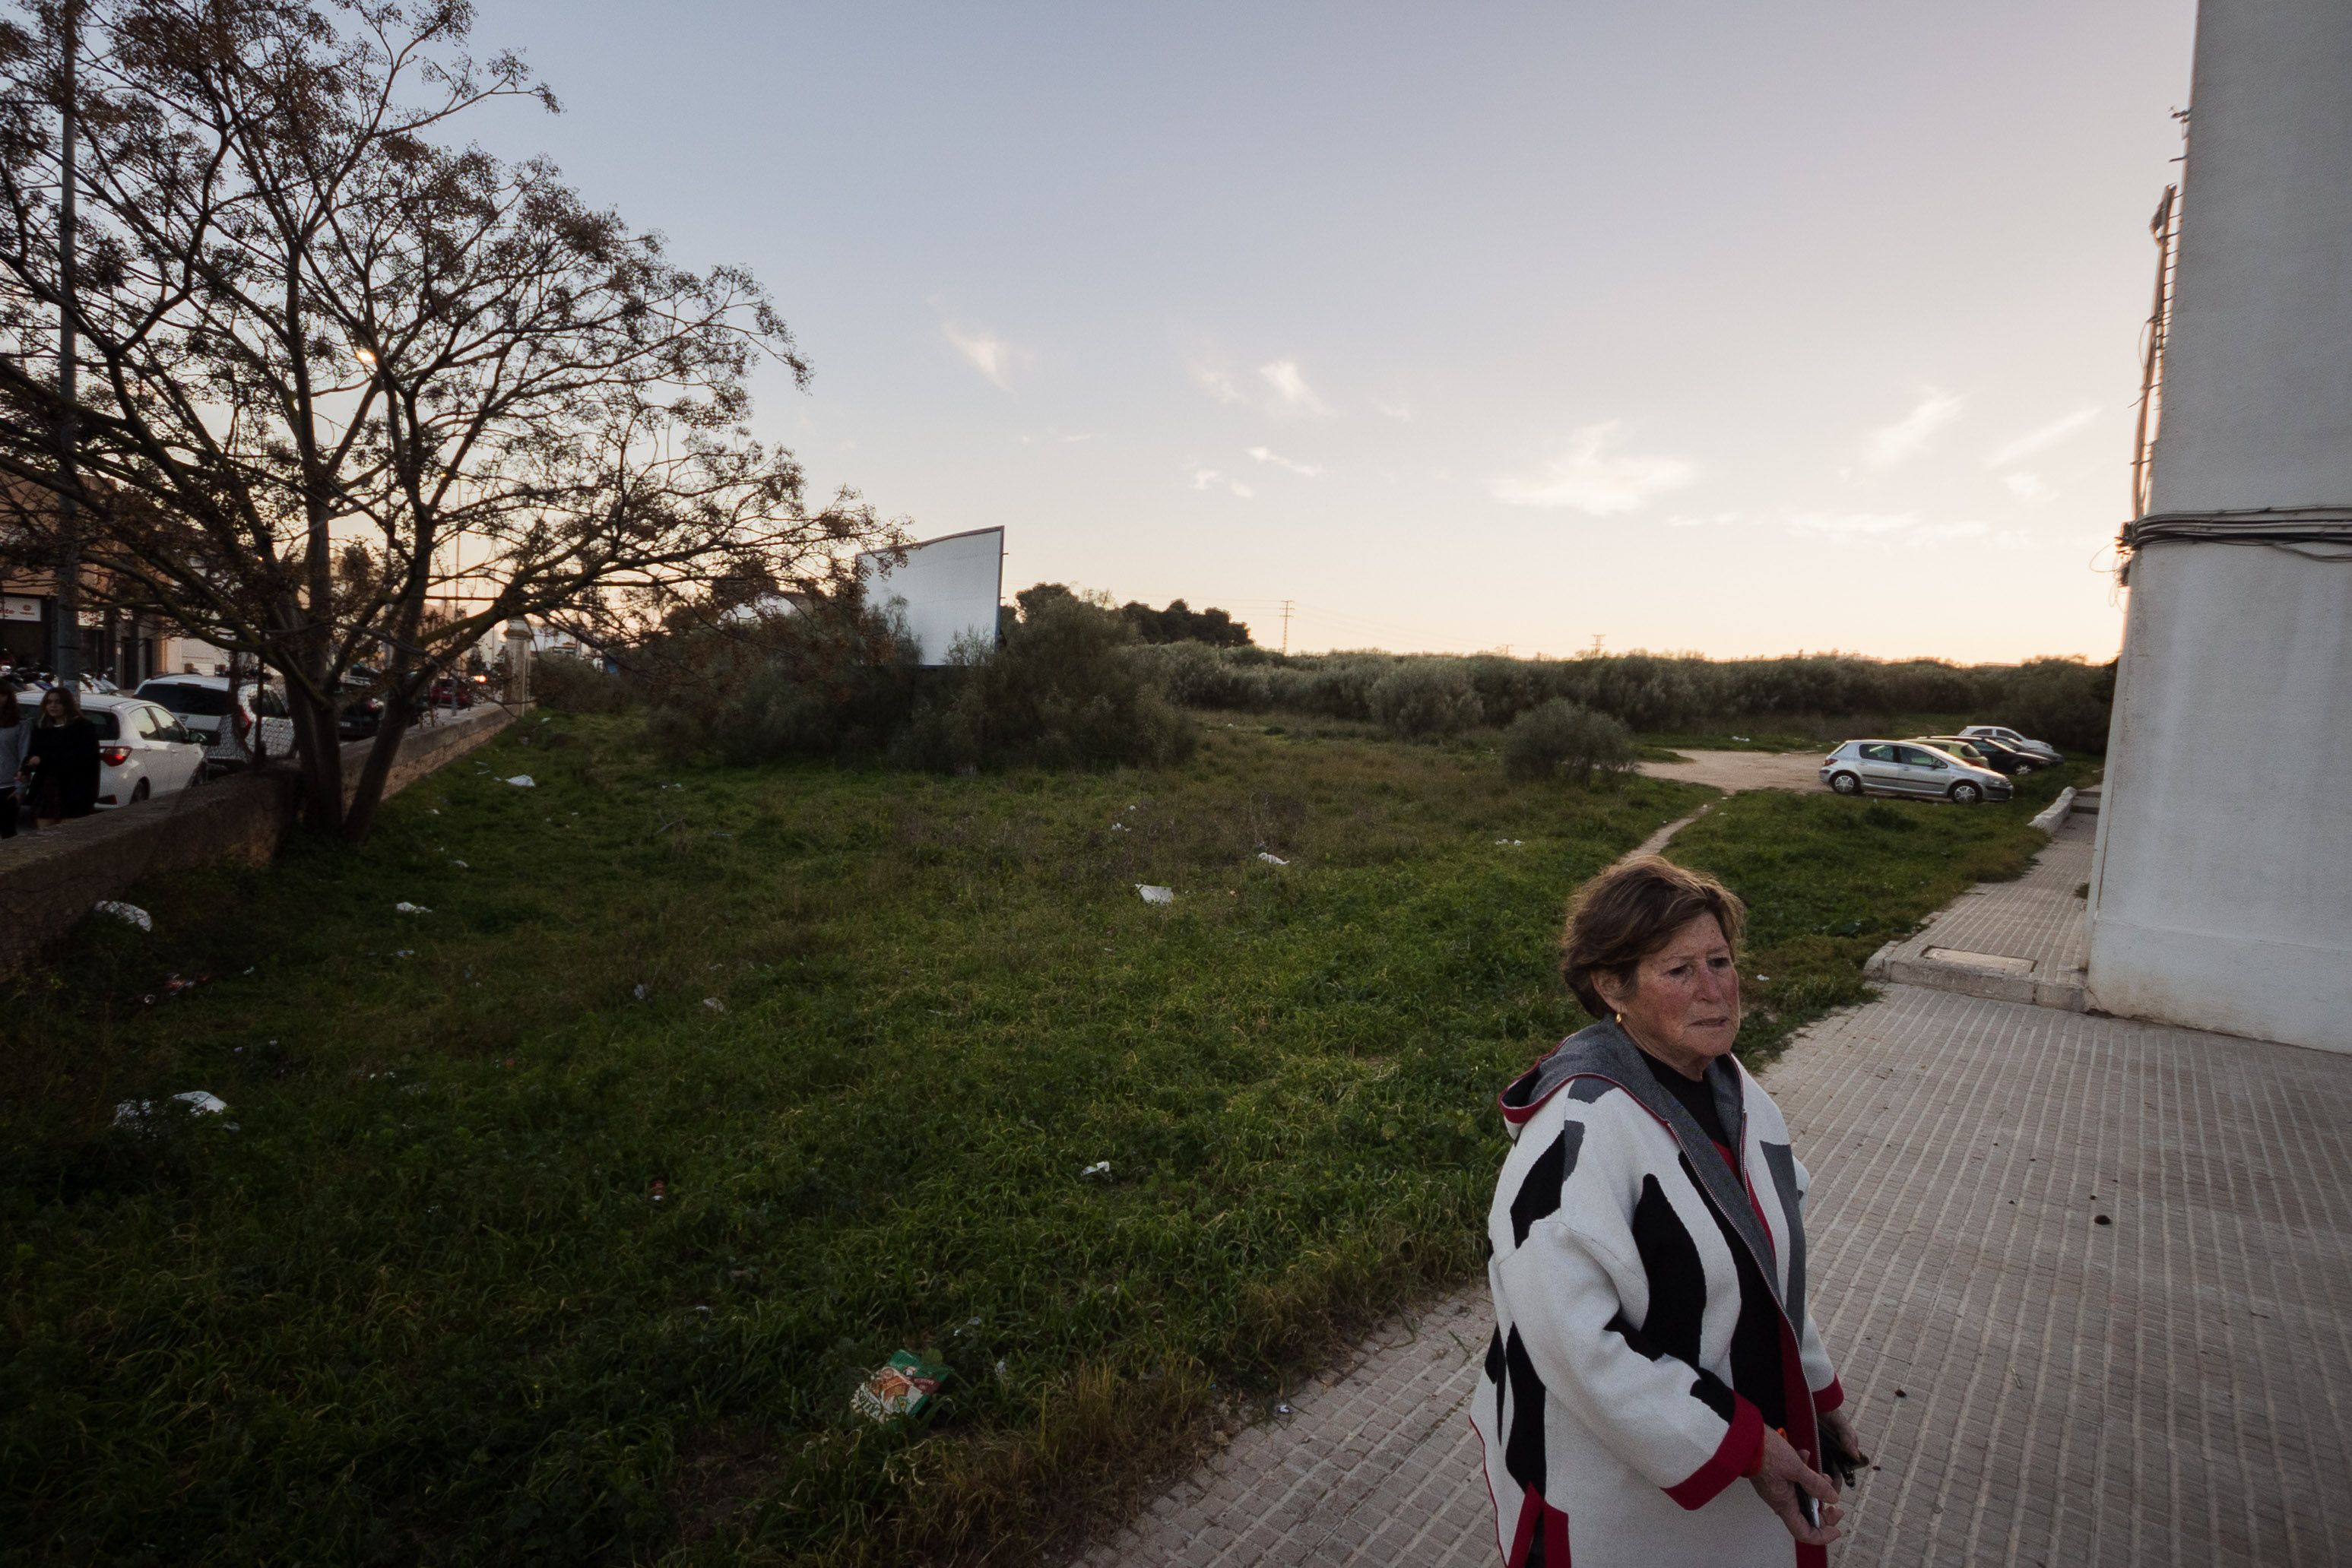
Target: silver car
[1901,768]
[2042,751]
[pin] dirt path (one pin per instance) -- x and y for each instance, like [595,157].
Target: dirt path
[1737,770]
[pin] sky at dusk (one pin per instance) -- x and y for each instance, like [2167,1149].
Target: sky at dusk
[1690,324]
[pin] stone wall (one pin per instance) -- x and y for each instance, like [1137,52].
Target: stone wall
[49,880]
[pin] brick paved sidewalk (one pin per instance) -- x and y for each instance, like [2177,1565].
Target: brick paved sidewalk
[2171,1387]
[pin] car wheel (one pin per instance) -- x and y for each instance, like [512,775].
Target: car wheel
[1845,783]
[1965,794]
[139,794]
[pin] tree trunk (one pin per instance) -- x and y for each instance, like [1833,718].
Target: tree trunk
[400,705]
[321,752]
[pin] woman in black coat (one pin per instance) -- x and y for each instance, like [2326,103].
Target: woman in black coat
[62,759]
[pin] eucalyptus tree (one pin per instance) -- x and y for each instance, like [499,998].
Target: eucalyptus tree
[353,391]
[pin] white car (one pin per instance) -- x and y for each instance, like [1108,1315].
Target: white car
[2042,751]
[256,725]
[142,749]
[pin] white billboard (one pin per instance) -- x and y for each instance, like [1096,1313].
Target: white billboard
[947,589]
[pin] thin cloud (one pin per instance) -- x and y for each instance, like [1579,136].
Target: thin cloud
[1400,409]
[1590,477]
[2027,488]
[1211,479]
[2035,441]
[1220,386]
[1291,393]
[1882,527]
[1913,433]
[986,352]
[1265,455]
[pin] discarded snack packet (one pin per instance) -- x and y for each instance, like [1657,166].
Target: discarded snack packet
[901,1388]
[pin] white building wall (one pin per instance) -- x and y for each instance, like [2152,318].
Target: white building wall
[2221,893]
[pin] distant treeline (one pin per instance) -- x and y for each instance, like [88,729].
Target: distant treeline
[1072,681]
[2062,701]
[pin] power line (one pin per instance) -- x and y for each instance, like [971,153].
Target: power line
[1286,627]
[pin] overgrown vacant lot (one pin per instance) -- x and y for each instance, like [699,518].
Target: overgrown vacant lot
[559,1222]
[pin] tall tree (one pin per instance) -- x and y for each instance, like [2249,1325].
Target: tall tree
[339,368]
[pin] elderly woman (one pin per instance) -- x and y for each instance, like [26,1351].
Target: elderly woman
[1651,1348]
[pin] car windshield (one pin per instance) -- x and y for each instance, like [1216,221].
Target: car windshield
[205,702]
[104,722]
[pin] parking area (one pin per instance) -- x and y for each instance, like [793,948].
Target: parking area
[1735,770]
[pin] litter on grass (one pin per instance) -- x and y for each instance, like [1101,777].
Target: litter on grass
[199,1102]
[128,913]
[404,907]
[524,781]
[898,1389]
[1271,859]
[1118,827]
[405,953]
[461,865]
[1099,1168]
[1514,842]
[1152,895]
[714,1004]
[643,992]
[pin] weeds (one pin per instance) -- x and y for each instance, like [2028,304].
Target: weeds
[427,1304]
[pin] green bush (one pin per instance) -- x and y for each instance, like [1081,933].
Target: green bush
[1424,699]
[570,684]
[1561,740]
[1066,688]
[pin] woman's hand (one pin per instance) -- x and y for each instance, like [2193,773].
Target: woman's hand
[1784,1476]
[1837,1422]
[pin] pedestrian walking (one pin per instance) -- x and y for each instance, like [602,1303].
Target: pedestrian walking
[61,759]
[1652,1347]
[15,734]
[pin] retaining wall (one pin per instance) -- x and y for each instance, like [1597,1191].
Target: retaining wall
[49,880]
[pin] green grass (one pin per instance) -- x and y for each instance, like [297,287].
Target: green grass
[421,1304]
[1829,880]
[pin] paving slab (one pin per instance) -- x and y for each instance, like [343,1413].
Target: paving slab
[2022,941]
[2170,1385]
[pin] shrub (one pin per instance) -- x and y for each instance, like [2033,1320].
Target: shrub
[1559,739]
[1195,675]
[1423,698]
[1065,689]
[570,684]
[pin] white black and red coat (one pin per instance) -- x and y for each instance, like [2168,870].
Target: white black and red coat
[1650,1319]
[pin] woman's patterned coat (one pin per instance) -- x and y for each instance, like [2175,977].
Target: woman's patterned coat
[1650,1319]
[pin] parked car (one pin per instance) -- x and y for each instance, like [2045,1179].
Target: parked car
[2042,751]
[143,750]
[361,714]
[450,691]
[256,725]
[1905,767]
[1983,751]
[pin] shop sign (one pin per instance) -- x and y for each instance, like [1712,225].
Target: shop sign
[19,606]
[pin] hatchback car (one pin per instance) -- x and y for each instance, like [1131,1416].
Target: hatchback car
[2042,751]
[256,725]
[142,749]
[1982,751]
[1905,767]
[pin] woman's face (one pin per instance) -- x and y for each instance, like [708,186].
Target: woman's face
[1684,1004]
[52,702]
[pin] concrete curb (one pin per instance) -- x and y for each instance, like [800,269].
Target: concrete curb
[2049,816]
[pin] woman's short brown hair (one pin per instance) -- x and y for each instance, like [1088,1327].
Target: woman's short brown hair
[1629,912]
